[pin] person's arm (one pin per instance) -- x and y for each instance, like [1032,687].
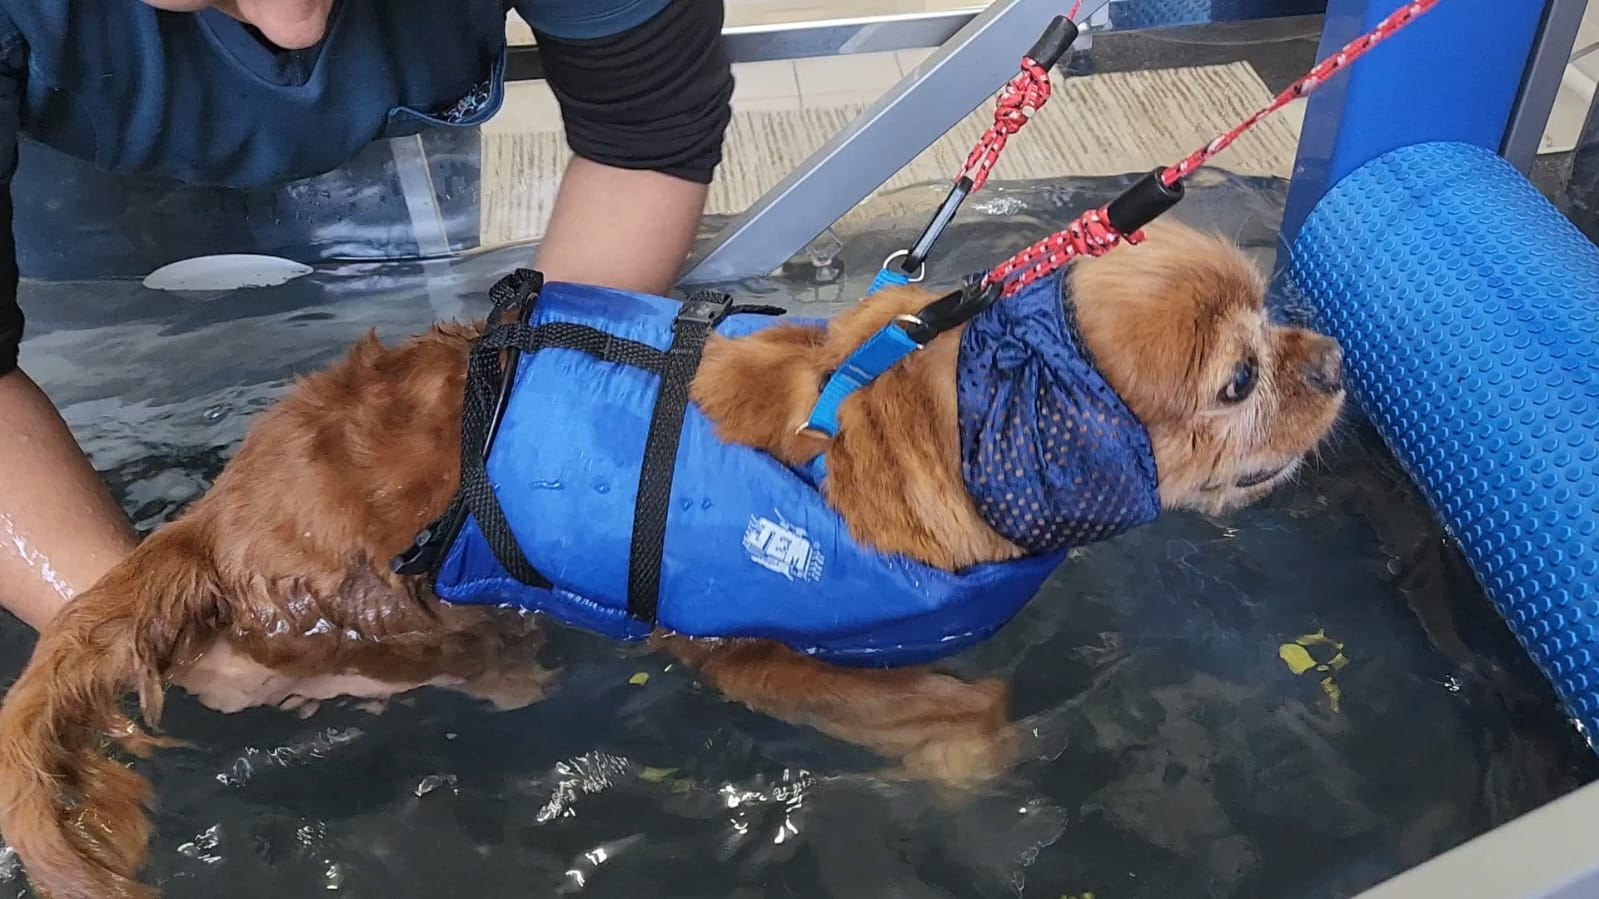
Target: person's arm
[645,113]
[59,527]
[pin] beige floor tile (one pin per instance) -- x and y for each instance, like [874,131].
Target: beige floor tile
[764,80]
[767,104]
[746,13]
[529,107]
[1141,119]
[1294,114]
[517,31]
[840,99]
[875,72]
[784,12]
[910,59]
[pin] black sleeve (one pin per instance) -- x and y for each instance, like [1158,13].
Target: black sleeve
[13,66]
[655,97]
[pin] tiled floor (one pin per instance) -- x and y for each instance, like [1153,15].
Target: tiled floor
[743,13]
[1158,99]
[779,85]
[816,83]
[783,111]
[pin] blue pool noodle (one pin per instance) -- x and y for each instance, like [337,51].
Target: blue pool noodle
[1468,307]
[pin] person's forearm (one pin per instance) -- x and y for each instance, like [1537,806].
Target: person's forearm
[621,228]
[60,530]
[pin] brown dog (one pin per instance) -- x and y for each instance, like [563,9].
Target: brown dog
[281,567]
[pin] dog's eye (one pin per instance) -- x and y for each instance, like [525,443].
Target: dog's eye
[1242,384]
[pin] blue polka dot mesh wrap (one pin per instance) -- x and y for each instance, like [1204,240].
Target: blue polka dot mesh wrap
[1050,453]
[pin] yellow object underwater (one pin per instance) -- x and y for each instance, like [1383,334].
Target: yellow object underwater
[1300,659]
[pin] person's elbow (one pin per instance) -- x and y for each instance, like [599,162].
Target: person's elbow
[656,97]
[676,126]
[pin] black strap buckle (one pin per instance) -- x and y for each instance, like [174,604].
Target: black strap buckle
[525,298]
[705,309]
[951,310]
[423,553]
[518,290]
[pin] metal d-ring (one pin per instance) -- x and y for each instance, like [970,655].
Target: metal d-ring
[921,269]
[913,320]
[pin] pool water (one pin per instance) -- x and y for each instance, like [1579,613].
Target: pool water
[1295,701]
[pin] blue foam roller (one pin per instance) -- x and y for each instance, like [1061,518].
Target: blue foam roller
[1468,308]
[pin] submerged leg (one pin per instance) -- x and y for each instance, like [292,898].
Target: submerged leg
[935,726]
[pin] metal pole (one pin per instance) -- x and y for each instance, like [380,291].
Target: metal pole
[1541,83]
[919,110]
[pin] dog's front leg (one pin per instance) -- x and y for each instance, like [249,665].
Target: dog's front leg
[935,726]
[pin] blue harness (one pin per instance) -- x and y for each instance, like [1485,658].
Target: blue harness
[721,540]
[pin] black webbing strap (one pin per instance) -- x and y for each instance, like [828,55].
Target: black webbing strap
[483,377]
[482,403]
[694,322]
[594,342]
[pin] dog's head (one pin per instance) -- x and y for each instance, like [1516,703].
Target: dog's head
[1232,402]
[1171,388]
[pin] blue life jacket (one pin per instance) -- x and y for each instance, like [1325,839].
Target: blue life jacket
[593,507]
[749,547]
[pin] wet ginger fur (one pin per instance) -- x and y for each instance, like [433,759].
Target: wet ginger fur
[283,562]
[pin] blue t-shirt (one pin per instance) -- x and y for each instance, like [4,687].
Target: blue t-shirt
[199,98]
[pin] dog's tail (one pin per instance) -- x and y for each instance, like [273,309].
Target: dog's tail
[75,816]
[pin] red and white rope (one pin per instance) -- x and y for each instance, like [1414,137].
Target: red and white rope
[1313,79]
[1092,234]
[1019,100]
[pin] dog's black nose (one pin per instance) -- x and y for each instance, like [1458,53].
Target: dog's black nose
[1324,370]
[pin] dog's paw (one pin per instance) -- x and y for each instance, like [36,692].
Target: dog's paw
[511,689]
[964,760]
[970,739]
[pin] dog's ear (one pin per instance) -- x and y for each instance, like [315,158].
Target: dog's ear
[759,389]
